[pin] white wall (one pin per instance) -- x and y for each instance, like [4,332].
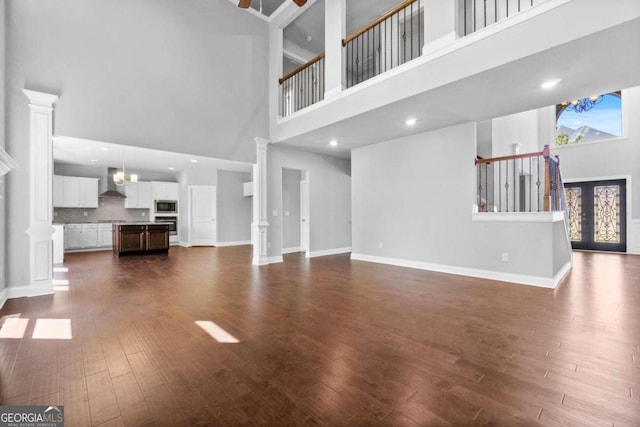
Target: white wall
[412,201]
[234,209]
[291,208]
[2,144]
[519,128]
[329,193]
[161,74]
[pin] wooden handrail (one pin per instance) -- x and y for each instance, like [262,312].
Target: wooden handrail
[511,157]
[300,68]
[385,16]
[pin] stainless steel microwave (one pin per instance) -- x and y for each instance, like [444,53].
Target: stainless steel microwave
[166,206]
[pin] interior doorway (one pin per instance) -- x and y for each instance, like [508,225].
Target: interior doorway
[202,215]
[598,215]
[295,211]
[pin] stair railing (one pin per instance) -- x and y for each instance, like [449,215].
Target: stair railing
[303,87]
[529,182]
[394,38]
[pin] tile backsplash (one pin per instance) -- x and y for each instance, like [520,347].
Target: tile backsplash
[108,210]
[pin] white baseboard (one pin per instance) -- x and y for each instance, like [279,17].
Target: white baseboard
[336,251]
[544,282]
[275,259]
[239,243]
[28,291]
[184,244]
[3,297]
[291,250]
[562,273]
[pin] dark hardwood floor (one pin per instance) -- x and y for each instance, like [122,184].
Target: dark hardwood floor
[328,341]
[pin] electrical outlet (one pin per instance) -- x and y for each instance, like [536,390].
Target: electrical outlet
[274,213]
[143,214]
[505,257]
[85,213]
[380,245]
[269,245]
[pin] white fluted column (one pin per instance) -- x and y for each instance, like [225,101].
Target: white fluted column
[40,191]
[260,225]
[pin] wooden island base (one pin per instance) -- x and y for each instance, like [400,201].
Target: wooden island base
[140,238]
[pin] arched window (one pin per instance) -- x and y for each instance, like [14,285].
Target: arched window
[589,119]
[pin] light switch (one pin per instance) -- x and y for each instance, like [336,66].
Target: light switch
[274,213]
[286,213]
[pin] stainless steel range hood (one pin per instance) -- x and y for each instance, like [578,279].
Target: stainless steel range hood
[112,192]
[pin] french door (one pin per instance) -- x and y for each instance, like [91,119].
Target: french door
[597,215]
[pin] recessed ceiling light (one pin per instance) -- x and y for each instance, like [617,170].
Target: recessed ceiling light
[333,143]
[309,38]
[172,168]
[550,83]
[104,148]
[194,161]
[93,160]
[410,122]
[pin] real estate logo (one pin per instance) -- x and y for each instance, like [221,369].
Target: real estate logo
[31,416]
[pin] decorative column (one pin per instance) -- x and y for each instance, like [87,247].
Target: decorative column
[335,30]
[40,189]
[260,225]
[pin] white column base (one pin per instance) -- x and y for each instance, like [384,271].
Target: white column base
[260,256]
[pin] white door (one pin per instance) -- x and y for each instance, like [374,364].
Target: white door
[202,215]
[304,215]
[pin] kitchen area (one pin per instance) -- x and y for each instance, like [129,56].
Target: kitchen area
[113,211]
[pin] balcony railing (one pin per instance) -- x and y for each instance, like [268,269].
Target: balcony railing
[520,183]
[302,87]
[478,14]
[391,40]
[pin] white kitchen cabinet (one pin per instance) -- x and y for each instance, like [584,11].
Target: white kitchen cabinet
[165,190]
[75,192]
[247,188]
[58,244]
[105,235]
[89,235]
[73,236]
[138,195]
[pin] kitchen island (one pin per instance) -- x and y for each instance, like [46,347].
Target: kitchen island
[140,238]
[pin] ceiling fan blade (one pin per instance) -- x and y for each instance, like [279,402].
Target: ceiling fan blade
[244,4]
[300,2]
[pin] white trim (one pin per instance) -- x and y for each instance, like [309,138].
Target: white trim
[543,282]
[3,297]
[275,259]
[184,244]
[291,250]
[561,274]
[545,217]
[633,245]
[238,243]
[325,252]
[28,291]
[40,99]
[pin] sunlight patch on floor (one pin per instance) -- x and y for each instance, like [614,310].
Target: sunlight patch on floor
[60,270]
[12,326]
[217,332]
[52,329]
[60,282]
